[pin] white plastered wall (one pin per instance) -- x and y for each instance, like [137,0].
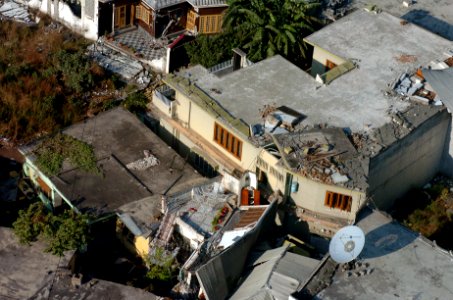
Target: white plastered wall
[86,26]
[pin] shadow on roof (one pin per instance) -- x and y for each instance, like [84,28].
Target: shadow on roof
[423,18]
[386,239]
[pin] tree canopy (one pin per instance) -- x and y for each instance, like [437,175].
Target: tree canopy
[66,231]
[262,29]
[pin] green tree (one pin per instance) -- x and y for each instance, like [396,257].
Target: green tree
[160,264]
[66,231]
[30,223]
[136,102]
[209,50]
[271,27]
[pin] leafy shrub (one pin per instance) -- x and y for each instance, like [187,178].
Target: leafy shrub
[136,102]
[53,151]
[67,231]
[160,264]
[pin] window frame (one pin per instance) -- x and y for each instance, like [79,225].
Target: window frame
[227,140]
[338,201]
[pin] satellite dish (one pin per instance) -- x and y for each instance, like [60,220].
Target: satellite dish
[347,244]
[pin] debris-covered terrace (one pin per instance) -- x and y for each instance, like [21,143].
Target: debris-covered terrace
[323,155]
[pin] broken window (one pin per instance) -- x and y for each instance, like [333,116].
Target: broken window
[227,140]
[339,201]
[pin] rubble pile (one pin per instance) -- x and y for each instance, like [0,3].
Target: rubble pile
[317,161]
[144,163]
[15,11]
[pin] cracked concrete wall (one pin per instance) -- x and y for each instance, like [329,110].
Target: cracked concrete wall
[409,162]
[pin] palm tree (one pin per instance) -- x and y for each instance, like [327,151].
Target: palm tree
[270,27]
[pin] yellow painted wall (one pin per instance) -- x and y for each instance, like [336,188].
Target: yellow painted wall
[182,109]
[142,245]
[201,122]
[271,162]
[319,60]
[311,195]
[162,106]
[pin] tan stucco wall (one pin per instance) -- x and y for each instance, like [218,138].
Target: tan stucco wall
[272,161]
[319,60]
[311,196]
[197,119]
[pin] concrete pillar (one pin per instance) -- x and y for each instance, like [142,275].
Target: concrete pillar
[113,18]
[49,7]
[56,10]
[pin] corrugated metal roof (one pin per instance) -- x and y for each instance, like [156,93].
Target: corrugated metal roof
[267,255]
[158,4]
[280,273]
[256,280]
[207,3]
[442,83]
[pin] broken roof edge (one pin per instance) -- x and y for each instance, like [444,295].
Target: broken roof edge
[290,170]
[212,106]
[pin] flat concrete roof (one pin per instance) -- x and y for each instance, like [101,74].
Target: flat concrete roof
[356,99]
[94,289]
[119,138]
[434,15]
[25,269]
[398,264]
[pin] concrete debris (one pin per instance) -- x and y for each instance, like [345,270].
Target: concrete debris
[338,178]
[144,163]
[414,88]
[117,63]
[407,3]
[15,11]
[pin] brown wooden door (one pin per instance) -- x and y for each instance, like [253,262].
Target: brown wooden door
[245,197]
[120,16]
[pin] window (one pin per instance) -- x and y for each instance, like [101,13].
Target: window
[191,16]
[339,201]
[210,24]
[330,65]
[276,174]
[262,164]
[227,140]
[142,13]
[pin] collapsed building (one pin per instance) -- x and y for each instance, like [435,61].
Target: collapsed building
[332,138]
